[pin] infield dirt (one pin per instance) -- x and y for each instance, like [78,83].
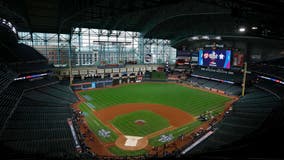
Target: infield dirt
[175,117]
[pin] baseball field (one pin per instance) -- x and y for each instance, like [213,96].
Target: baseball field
[132,118]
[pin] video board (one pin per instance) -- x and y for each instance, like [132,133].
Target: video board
[215,58]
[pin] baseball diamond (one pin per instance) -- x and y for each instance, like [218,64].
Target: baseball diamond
[168,110]
[141,79]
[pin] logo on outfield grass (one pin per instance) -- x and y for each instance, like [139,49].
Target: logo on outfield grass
[104,133]
[90,105]
[166,138]
[88,98]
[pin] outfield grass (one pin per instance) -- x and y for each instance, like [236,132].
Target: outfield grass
[120,152]
[95,124]
[176,133]
[126,123]
[193,101]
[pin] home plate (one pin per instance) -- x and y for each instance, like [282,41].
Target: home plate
[131,141]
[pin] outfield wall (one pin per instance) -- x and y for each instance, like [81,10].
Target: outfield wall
[91,85]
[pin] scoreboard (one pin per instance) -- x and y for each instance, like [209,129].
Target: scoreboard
[215,58]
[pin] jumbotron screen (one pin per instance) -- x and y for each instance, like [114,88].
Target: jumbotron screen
[215,58]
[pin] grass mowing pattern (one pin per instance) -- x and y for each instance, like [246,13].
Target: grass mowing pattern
[95,124]
[126,123]
[120,152]
[176,133]
[193,101]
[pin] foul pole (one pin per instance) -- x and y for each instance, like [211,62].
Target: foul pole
[244,79]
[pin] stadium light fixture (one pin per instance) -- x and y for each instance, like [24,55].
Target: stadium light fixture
[218,37]
[195,38]
[242,29]
[205,37]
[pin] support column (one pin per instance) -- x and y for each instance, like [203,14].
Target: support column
[89,39]
[58,49]
[45,43]
[133,50]
[32,39]
[79,55]
[141,48]
[69,57]
[108,49]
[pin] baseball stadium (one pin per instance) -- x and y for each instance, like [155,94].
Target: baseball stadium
[142,80]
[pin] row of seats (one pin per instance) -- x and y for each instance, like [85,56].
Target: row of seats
[223,76]
[247,115]
[39,122]
[226,87]
[32,128]
[6,78]
[274,71]
[8,100]
[32,84]
[277,88]
[43,146]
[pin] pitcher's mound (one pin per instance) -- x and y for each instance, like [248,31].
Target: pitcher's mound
[131,142]
[140,122]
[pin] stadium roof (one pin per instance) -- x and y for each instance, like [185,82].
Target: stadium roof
[167,19]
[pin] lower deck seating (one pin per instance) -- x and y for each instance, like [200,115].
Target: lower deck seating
[39,122]
[229,89]
[6,78]
[247,115]
[234,77]
[277,88]
[8,100]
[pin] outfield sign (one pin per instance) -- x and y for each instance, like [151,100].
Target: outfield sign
[109,70]
[115,70]
[129,69]
[75,72]
[92,72]
[83,72]
[100,71]
[122,69]
[94,85]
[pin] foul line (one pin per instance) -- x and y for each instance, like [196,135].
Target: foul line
[197,142]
